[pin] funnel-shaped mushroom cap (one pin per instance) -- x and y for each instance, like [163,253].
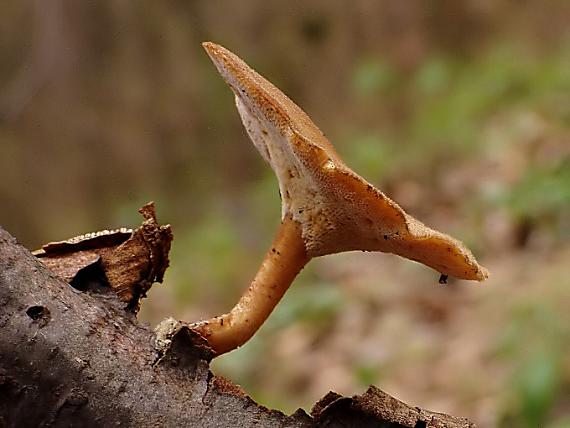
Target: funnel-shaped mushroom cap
[337,209]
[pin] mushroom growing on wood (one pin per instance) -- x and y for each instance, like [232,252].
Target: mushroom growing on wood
[326,207]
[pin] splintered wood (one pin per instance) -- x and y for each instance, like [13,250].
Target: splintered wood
[128,261]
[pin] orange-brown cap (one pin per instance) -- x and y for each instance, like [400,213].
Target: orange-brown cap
[337,209]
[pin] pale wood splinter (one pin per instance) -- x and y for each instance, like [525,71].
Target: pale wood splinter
[326,207]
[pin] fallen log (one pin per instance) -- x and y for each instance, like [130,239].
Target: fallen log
[75,354]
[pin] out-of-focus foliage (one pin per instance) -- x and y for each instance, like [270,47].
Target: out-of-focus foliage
[537,341]
[459,110]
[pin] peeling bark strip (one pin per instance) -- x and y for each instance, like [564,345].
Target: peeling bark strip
[77,358]
[374,405]
[128,261]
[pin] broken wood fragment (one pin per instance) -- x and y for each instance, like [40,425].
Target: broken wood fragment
[128,261]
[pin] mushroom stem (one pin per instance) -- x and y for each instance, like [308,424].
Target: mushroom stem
[281,265]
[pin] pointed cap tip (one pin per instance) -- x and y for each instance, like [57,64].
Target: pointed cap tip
[213,48]
[483,274]
[209,47]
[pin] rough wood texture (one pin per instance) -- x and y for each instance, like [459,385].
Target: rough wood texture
[79,358]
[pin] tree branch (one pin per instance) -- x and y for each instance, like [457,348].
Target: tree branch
[73,357]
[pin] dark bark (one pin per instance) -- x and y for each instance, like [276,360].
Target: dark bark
[80,358]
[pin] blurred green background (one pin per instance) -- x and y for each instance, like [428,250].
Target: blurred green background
[459,110]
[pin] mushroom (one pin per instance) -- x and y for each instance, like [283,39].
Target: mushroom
[326,207]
